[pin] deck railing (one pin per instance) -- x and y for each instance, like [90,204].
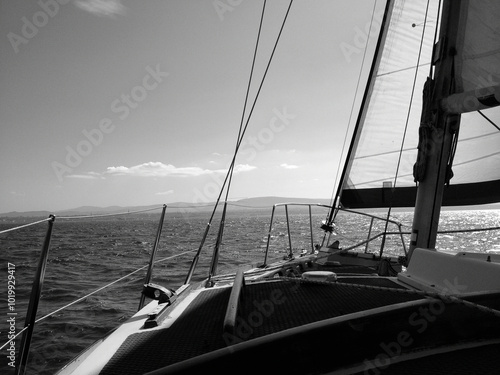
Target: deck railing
[370,238]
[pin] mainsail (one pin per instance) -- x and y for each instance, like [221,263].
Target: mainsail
[380,172]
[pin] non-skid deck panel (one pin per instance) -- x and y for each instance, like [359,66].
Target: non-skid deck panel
[297,303]
[196,332]
[481,360]
[266,308]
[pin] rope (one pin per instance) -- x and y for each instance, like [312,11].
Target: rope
[209,224]
[240,130]
[78,217]
[107,215]
[213,266]
[94,292]
[108,285]
[240,140]
[25,225]
[7,343]
[468,230]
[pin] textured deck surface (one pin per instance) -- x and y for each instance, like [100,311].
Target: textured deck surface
[283,306]
[481,360]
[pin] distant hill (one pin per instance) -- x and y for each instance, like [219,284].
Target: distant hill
[26,214]
[248,203]
[243,204]
[267,202]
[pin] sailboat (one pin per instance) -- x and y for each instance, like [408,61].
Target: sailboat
[335,310]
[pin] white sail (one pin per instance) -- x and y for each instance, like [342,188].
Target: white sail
[389,134]
[477,83]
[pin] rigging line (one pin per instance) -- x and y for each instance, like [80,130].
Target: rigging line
[13,338]
[205,234]
[107,215]
[248,90]
[88,295]
[332,198]
[261,83]
[25,225]
[231,169]
[251,110]
[406,124]
[469,230]
[194,206]
[240,140]
[238,144]
[106,286]
[488,119]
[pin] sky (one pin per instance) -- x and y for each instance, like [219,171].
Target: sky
[121,102]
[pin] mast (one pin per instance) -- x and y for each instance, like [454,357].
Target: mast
[438,129]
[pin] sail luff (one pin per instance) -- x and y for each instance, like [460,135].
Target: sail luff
[364,103]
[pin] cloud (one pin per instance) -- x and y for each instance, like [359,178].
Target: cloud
[168,192]
[243,168]
[89,176]
[158,169]
[289,166]
[103,8]
[17,194]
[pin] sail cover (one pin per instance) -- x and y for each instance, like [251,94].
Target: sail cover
[380,172]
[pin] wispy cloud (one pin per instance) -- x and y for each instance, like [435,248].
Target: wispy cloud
[88,176]
[168,192]
[158,169]
[17,194]
[289,166]
[103,8]
[243,168]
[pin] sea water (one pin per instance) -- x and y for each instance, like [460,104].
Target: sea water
[88,254]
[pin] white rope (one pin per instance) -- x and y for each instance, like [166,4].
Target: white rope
[94,292]
[108,285]
[21,331]
[107,215]
[78,217]
[25,225]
